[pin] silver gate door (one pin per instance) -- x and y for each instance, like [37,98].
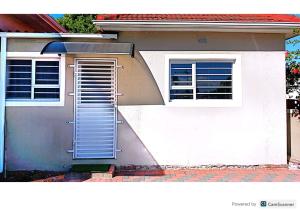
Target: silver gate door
[95,108]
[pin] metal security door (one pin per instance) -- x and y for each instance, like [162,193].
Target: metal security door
[95,108]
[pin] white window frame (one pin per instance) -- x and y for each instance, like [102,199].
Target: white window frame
[36,56]
[236,100]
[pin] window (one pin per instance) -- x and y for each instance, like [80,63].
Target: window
[19,74]
[181,81]
[33,80]
[214,80]
[201,80]
[206,79]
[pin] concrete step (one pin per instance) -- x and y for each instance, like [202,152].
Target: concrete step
[107,175]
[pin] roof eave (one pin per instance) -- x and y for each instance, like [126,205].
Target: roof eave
[283,28]
[52,23]
[45,35]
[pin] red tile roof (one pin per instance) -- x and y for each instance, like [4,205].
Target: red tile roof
[239,18]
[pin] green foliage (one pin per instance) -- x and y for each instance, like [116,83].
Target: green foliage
[81,23]
[292,72]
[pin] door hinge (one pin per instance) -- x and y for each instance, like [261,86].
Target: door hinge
[70,122]
[71,94]
[120,122]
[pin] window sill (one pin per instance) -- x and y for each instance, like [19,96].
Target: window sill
[33,103]
[205,103]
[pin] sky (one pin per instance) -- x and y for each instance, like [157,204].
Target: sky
[289,47]
[56,15]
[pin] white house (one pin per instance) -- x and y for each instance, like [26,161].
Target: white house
[149,90]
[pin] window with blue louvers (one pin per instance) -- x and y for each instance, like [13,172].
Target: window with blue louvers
[33,79]
[197,80]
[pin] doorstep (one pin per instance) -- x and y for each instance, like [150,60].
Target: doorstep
[107,175]
[95,171]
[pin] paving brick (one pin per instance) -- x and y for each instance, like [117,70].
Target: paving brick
[249,177]
[206,177]
[227,177]
[265,174]
[269,177]
[289,178]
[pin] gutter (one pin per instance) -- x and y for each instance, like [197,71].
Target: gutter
[57,35]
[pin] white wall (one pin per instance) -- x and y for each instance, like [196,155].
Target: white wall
[254,133]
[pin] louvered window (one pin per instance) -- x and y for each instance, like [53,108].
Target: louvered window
[214,80]
[33,80]
[19,75]
[197,80]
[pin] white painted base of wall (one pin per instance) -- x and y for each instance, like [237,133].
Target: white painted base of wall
[198,136]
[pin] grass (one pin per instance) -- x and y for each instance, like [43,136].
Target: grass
[90,167]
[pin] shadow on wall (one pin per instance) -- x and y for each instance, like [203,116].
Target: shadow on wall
[133,149]
[139,87]
[137,83]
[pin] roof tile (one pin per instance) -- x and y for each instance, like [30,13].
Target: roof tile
[239,18]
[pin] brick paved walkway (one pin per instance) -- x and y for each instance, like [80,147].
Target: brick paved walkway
[192,175]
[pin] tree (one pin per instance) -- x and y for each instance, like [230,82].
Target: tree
[81,23]
[293,72]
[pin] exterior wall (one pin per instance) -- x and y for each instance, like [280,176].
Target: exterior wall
[293,137]
[154,133]
[251,134]
[38,137]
